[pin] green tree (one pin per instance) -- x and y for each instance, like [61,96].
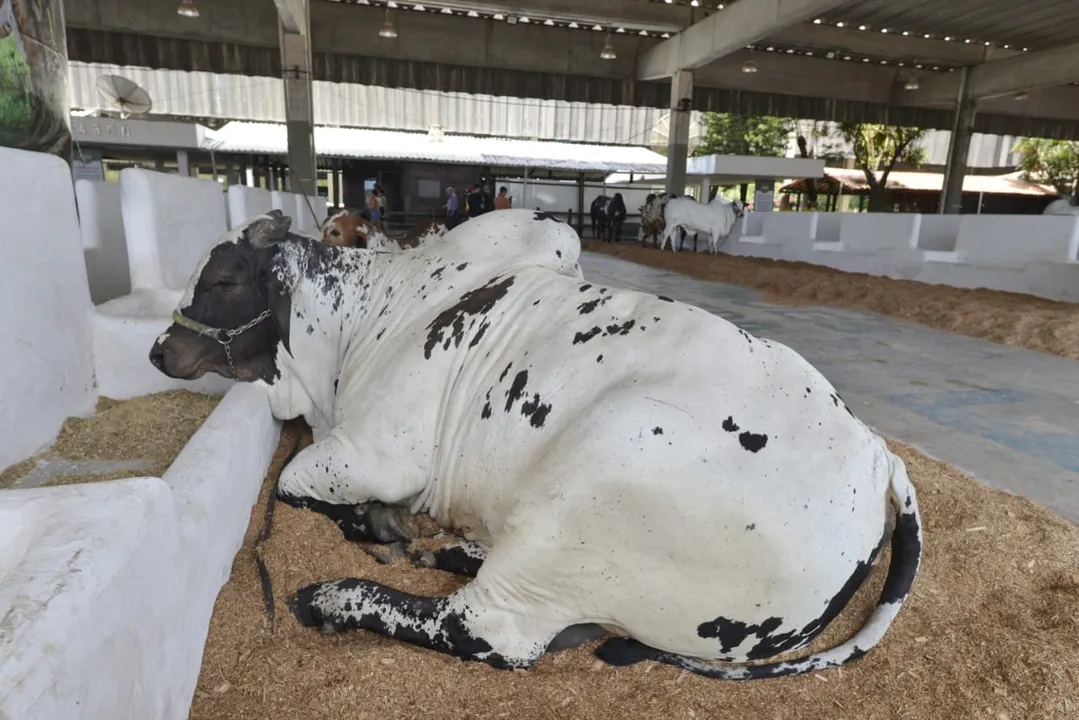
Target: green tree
[729,134]
[877,149]
[1053,162]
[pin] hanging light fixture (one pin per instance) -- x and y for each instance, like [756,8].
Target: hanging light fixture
[387,31]
[608,52]
[911,84]
[749,66]
[187,9]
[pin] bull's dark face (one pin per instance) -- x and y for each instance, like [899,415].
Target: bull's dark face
[232,287]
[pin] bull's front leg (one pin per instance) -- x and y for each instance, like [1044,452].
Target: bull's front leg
[329,477]
[461,558]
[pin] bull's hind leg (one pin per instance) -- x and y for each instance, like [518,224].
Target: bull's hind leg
[472,623]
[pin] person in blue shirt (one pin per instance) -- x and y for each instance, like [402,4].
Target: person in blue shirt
[452,208]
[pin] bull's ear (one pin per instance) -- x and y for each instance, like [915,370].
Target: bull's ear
[269,230]
[278,299]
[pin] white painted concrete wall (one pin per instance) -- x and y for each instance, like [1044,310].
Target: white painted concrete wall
[1031,254]
[296,206]
[103,240]
[939,232]
[246,202]
[124,329]
[108,588]
[170,222]
[46,374]
[1013,241]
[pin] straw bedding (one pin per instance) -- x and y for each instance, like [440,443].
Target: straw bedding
[989,632]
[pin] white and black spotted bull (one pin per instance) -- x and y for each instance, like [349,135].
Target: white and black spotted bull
[455,380]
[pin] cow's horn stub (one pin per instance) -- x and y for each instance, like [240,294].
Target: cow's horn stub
[269,230]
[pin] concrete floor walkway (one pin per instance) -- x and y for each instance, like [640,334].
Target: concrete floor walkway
[1007,416]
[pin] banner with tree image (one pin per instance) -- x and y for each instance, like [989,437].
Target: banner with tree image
[34,110]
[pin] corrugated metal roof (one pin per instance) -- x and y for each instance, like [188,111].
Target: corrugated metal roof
[261,99]
[271,138]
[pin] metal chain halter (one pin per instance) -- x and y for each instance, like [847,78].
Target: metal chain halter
[223,336]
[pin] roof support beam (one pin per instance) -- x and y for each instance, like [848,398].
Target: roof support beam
[293,15]
[721,33]
[1026,71]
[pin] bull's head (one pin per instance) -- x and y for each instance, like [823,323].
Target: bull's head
[235,311]
[348,228]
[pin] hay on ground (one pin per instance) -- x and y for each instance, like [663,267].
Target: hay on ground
[989,632]
[1007,318]
[143,435]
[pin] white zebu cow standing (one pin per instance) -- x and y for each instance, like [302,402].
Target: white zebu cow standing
[716,219]
[1061,206]
[456,380]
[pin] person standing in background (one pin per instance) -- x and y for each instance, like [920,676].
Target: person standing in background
[380,194]
[452,208]
[474,202]
[373,206]
[503,201]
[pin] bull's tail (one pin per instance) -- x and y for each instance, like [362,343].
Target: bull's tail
[905,561]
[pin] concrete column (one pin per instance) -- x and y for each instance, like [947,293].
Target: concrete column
[678,142]
[706,187]
[183,163]
[951,197]
[580,204]
[299,107]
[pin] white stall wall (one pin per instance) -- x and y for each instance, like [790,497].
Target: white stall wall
[103,241]
[1013,241]
[170,222]
[107,589]
[296,206]
[939,232]
[46,374]
[1031,254]
[247,202]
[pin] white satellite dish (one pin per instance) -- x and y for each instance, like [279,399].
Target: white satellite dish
[658,139]
[124,95]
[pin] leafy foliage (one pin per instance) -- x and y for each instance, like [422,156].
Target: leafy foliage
[877,149]
[1053,162]
[728,134]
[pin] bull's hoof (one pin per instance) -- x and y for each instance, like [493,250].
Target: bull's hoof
[424,559]
[387,523]
[303,608]
[386,554]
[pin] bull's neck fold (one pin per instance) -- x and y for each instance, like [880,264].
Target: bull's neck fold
[333,292]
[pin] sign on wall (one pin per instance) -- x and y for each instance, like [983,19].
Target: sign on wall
[143,133]
[86,164]
[429,189]
[764,194]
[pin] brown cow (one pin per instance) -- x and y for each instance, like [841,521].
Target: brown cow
[347,228]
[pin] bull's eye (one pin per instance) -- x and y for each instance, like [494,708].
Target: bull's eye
[335,233]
